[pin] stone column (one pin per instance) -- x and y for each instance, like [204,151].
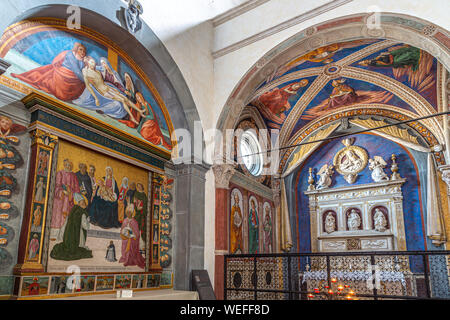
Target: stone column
[190,219]
[222,174]
[33,223]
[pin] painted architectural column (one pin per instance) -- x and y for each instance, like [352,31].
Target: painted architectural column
[33,224]
[157,181]
[190,216]
[223,174]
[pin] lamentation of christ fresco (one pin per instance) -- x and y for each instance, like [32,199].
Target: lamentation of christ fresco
[93,77]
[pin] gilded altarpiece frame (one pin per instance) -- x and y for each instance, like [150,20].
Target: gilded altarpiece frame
[32,274]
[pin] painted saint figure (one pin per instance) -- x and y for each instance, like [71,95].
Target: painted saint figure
[93,181]
[84,181]
[341,95]
[236,226]
[129,195]
[253,228]
[74,246]
[62,78]
[268,229]
[130,235]
[39,196]
[111,252]
[399,58]
[66,186]
[276,100]
[121,200]
[140,205]
[42,163]
[103,211]
[33,248]
[37,215]
[149,126]
[109,74]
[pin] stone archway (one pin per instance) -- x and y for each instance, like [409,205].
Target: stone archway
[155,61]
[407,29]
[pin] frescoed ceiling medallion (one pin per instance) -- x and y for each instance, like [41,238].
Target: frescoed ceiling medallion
[350,160]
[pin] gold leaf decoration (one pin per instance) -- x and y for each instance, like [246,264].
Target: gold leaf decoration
[392,130]
[304,150]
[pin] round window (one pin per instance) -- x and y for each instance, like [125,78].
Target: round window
[251,153]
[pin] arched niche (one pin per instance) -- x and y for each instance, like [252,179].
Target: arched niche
[150,60]
[144,48]
[418,33]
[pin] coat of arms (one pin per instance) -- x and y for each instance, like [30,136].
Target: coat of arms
[350,160]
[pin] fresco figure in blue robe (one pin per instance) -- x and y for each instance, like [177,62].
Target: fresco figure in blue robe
[253,228]
[84,181]
[103,211]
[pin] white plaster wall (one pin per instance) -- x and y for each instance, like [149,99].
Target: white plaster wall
[211,81]
[261,18]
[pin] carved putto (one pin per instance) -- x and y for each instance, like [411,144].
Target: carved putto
[325,174]
[376,165]
[350,160]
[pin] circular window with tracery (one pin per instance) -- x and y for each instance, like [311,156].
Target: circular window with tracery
[250,152]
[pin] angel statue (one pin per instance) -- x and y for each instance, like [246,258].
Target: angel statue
[376,165]
[325,174]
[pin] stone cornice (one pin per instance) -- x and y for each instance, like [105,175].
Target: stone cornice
[357,188]
[250,184]
[237,11]
[280,27]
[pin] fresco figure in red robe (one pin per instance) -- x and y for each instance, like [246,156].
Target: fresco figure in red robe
[65,187]
[130,235]
[342,94]
[149,127]
[62,78]
[276,100]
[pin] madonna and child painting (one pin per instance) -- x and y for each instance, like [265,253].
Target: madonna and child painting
[99,212]
[91,78]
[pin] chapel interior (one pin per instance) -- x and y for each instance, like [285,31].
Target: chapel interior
[224,149]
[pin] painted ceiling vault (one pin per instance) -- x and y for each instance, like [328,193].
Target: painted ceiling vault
[354,75]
